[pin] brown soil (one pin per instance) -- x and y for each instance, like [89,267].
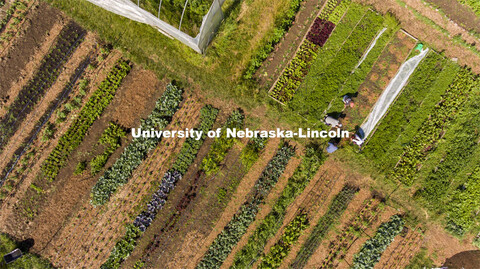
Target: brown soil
[444,245]
[459,14]
[191,258]
[452,27]
[286,48]
[416,27]
[40,149]
[23,57]
[315,200]
[464,260]
[264,209]
[15,26]
[368,233]
[351,212]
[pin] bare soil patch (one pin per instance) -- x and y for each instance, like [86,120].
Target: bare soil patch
[264,209]
[444,245]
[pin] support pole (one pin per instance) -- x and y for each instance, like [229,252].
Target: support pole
[183,12]
[159,7]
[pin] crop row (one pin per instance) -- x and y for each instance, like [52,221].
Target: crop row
[137,150]
[48,72]
[191,147]
[473,4]
[335,210]
[186,157]
[290,235]
[320,31]
[293,75]
[328,9]
[238,225]
[461,141]
[110,138]
[338,247]
[273,221]
[188,152]
[221,145]
[89,113]
[313,102]
[282,24]
[11,12]
[337,14]
[431,130]
[462,209]
[372,250]
[418,98]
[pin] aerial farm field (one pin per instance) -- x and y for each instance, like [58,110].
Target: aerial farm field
[78,188]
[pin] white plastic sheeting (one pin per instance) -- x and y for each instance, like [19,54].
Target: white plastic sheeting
[391,92]
[128,9]
[371,47]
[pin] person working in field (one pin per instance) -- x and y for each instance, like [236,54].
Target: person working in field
[330,121]
[348,101]
[357,140]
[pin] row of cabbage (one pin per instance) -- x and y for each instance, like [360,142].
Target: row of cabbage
[373,249]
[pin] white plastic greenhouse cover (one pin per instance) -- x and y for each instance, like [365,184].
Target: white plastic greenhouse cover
[390,93]
[210,22]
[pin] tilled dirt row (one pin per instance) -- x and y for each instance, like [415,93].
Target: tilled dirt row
[265,208]
[25,129]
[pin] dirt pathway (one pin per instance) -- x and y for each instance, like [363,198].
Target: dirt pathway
[12,219]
